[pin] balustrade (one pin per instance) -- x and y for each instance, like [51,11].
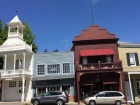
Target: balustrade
[95,66]
[16,72]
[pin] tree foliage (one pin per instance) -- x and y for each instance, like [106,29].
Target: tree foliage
[45,51]
[3,33]
[28,37]
[56,50]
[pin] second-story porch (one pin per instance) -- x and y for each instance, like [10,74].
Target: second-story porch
[101,59]
[15,64]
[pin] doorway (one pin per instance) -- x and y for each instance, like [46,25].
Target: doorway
[127,90]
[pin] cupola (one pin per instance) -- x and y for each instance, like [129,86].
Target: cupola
[15,28]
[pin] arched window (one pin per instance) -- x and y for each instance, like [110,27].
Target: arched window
[19,64]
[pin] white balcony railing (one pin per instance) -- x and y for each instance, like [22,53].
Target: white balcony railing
[11,34]
[16,72]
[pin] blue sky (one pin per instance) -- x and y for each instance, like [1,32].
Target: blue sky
[54,21]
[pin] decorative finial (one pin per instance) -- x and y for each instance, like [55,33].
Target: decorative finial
[16,12]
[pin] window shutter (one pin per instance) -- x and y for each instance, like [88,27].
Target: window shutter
[128,59]
[137,60]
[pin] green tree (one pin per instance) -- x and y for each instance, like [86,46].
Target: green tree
[45,51]
[3,33]
[56,50]
[29,37]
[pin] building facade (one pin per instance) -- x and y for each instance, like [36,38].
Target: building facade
[129,53]
[97,64]
[54,72]
[15,64]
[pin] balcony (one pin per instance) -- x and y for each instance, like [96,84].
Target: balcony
[12,34]
[17,72]
[15,47]
[100,66]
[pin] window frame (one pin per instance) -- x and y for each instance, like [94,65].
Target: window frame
[51,65]
[38,72]
[63,68]
[135,58]
[12,84]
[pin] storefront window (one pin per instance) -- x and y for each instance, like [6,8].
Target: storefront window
[54,88]
[138,87]
[41,90]
[66,88]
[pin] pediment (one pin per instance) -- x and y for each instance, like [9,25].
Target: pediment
[94,33]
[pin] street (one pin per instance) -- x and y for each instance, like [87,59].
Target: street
[27,103]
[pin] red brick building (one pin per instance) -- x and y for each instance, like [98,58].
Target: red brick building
[97,64]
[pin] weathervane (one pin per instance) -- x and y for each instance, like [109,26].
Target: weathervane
[16,12]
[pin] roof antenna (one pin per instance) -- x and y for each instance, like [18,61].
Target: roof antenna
[66,43]
[92,11]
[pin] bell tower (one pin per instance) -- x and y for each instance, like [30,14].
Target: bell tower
[15,28]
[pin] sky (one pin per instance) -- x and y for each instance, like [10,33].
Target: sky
[54,23]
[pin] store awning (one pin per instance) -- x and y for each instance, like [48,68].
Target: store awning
[105,83]
[96,52]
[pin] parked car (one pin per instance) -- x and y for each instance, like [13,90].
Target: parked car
[57,97]
[106,97]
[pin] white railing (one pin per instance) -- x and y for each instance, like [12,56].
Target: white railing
[11,34]
[16,72]
[15,47]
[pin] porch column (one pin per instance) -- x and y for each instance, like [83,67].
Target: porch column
[14,62]
[5,61]
[23,62]
[78,90]
[3,90]
[23,83]
[122,83]
[130,88]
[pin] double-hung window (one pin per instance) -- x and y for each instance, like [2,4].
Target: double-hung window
[66,68]
[41,69]
[53,69]
[132,59]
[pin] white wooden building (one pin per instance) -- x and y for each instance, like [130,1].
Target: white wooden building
[16,63]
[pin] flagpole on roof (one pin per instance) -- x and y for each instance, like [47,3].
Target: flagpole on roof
[92,11]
